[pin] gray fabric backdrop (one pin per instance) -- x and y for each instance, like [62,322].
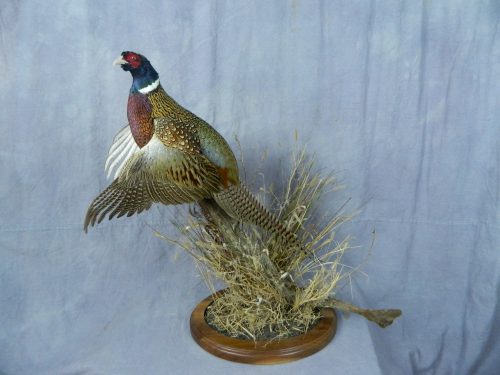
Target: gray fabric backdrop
[401,98]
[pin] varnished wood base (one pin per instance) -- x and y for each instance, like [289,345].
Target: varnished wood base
[261,352]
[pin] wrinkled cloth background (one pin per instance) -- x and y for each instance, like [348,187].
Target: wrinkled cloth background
[400,98]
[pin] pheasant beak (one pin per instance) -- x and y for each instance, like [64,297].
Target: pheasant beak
[120,61]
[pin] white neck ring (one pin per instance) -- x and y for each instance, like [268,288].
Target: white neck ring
[150,87]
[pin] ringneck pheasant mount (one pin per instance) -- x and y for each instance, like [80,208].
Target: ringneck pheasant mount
[278,282]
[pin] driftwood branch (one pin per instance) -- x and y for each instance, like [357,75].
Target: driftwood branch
[383,318]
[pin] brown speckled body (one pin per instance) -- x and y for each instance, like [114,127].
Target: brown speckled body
[180,136]
[189,133]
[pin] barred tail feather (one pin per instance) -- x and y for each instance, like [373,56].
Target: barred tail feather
[240,204]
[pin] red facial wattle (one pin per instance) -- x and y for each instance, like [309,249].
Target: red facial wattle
[133,59]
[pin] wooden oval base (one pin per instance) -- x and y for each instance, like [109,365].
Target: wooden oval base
[261,352]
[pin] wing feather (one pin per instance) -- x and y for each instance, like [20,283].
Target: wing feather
[119,138]
[155,173]
[121,150]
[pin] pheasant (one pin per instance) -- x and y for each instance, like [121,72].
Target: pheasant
[166,154]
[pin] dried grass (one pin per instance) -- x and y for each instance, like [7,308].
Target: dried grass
[273,291]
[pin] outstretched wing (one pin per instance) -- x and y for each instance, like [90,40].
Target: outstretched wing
[117,200]
[155,173]
[122,148]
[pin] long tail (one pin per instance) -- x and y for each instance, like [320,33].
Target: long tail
[241,205]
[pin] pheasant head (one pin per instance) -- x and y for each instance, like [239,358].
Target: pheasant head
[145,77]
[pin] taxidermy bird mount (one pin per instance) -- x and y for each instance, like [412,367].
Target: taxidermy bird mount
[169,155]
[166,154]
